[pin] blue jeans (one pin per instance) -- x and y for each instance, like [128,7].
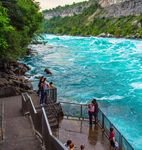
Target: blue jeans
[42,97]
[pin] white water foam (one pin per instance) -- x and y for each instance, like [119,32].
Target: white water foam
[112,97]
[136,85]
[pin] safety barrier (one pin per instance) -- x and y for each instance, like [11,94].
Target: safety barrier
[79,111]
[52,93]
[41,124]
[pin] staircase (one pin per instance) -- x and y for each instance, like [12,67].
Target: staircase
[54,112]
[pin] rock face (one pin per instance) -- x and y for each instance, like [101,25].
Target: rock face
[126,8]
[12,80]
[64,13]
[111,8]
[47,71]
[78,9]
[105,3]
[69,11]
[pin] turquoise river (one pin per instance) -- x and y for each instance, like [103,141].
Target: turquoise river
[107,69]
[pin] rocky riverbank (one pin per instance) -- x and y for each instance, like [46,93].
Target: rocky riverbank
[12,78]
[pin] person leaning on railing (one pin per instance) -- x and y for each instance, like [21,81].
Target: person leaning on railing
[50,85]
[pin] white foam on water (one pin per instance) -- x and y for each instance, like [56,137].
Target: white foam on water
[138,48]
[112,97]
[136,85]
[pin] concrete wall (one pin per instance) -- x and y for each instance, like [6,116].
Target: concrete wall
[7,91]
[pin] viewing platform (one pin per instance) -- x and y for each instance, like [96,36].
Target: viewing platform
[26,125]
[81,133]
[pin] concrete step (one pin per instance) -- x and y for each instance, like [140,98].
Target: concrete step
[52,121]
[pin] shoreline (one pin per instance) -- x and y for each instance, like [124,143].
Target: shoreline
[98,36]
[13,80]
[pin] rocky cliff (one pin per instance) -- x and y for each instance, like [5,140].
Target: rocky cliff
[127,8]
[68,10]
[105,3]
[12,79]
[111,8]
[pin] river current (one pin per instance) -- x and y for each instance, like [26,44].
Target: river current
[107,69]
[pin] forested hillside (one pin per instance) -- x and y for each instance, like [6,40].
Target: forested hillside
[19,20]
[120,20]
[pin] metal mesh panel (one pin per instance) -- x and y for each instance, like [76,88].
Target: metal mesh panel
[126,145]
[107,125]
[100,119]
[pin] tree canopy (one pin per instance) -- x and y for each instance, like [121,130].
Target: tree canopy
[19,20]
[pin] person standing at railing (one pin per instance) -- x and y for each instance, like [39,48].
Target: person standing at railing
[50,85]
[39,85]
[93,111]
[91,108]
[42,91]
[112,138]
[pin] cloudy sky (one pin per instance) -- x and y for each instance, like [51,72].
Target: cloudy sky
[46,4]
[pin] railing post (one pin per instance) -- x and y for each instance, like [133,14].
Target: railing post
[120,142]
[102,120]
[81,111]
[55,94]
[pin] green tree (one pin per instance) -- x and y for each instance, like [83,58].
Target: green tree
[23,18]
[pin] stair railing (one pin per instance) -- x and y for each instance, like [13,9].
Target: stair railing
[41,124]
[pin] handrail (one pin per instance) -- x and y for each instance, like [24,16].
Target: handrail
[41,124]
[52,93]
[102,122]
[50,140]
[23,97]
[112,125]
[46,120]
[32,103]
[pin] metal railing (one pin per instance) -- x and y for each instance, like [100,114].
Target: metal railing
[50,141]
[41,124]
[80,111]
[52,93]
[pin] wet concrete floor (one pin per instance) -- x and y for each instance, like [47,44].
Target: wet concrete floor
[81,133]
